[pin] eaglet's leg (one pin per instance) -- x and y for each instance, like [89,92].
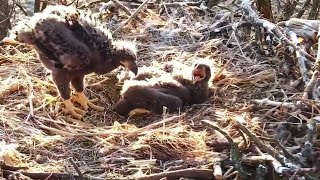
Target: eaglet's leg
[80,97]
[63,85]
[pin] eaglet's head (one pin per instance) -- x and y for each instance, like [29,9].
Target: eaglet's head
[201,73]
[125,54]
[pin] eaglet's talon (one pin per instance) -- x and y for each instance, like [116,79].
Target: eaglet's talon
[85,102]
[70,109]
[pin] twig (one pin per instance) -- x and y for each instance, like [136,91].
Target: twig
[131,17]
[311,132]
[92,3]
[191,173]
[301,58]
[286,153]
[274,103]
[23,9]
[121,6]
[66,168]
[11,12]
[53,176]
[276,165]
[261,145]
[76,168]
[3,166]
[126,133]
[317,63]
[234,151]
[57,131]
[310,86]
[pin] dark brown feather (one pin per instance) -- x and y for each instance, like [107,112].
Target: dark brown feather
[146,98]
[170,91]
[72,44]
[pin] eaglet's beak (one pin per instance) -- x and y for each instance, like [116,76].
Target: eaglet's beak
[132,66]
[198,74]
[8,40]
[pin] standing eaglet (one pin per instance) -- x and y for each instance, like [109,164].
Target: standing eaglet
[72,45]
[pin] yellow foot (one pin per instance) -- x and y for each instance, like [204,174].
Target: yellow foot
[70,109]
[85,102]
[138,111]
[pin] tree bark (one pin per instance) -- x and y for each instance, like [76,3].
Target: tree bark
[264,7]
[4,18]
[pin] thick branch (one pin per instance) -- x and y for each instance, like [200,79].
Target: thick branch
[191,173]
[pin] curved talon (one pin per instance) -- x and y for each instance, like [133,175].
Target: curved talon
[96,107]
[70,109]
[85,102]
[79,111]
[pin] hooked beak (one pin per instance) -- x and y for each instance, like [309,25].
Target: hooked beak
[132,66]
[8,40]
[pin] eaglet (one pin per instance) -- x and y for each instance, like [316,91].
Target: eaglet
[149,94]
[72,45]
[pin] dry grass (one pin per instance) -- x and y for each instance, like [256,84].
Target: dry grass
[35,133]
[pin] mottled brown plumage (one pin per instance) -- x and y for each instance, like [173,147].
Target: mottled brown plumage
[72,45]
[150,99]
[174,92]
[191,91]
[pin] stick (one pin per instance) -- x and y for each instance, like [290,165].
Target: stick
[3,166]
[317,63]
[301,58]
[56,131]
[261,145]
[121,6]
[91,3]
[76,168]
[191,173]
[274,103]
[275,164]
[52,176]
[131,17]
[129,133]
[310,86]
[234,151]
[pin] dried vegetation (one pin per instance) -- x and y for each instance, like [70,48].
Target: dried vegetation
[260,121]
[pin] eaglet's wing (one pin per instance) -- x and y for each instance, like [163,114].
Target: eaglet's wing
[55,40]
[86,28]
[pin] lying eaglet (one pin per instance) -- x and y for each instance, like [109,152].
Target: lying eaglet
[173,93]
[72,45]
[194,91]
[145,99]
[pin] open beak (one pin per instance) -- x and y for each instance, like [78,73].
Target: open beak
[198,74]
[132,66]
[8,40]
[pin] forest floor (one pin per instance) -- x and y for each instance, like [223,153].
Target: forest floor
[35,134]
